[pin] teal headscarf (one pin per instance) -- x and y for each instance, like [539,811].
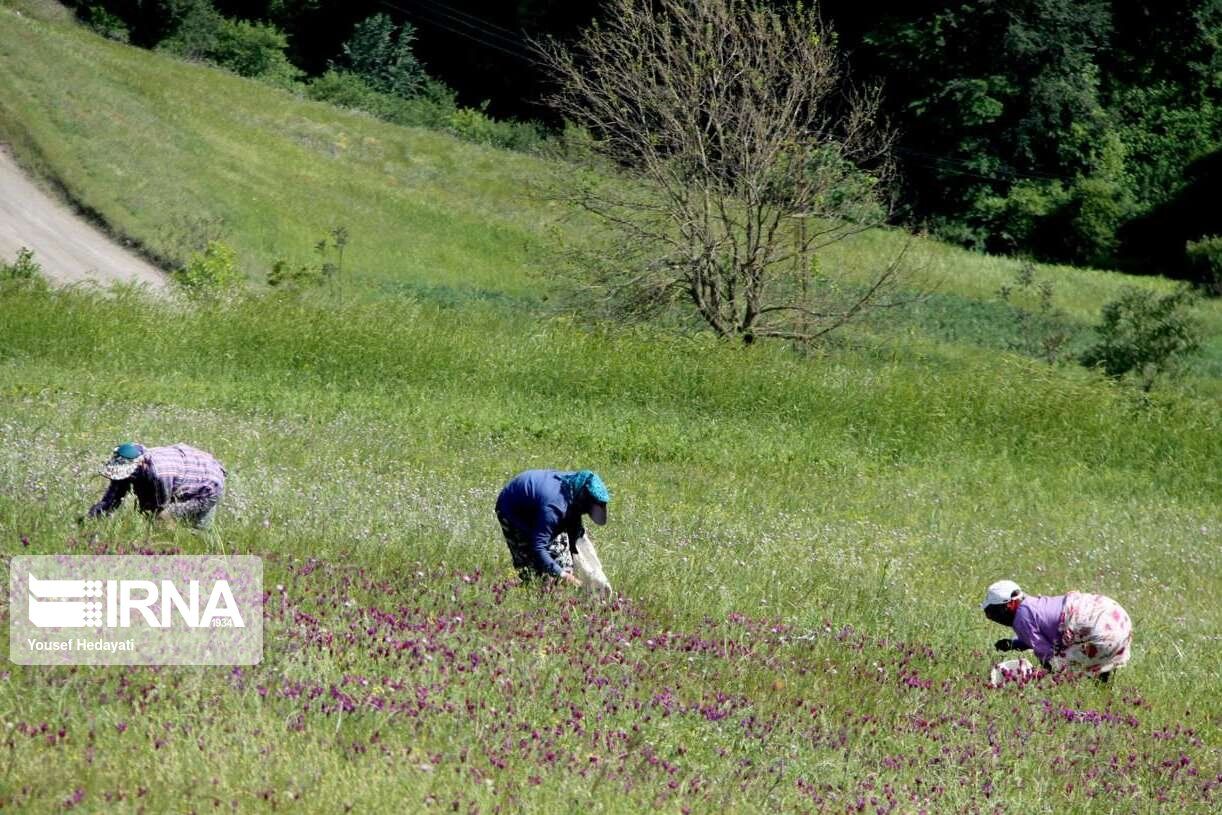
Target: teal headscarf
[588,482]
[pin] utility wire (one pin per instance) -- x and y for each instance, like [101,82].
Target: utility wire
[427,17]
[487,25]
[492,35]
[476,34]
[439,11]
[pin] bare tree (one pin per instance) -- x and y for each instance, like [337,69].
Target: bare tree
[745,155]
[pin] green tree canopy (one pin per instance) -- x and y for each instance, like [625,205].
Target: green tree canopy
[382,55]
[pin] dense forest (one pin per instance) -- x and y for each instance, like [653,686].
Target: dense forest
[1080,131]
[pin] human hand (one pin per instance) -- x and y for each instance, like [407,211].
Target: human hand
[1004,644]
[571,579]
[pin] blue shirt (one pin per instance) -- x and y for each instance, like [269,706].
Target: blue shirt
[1037,624]
[536,505]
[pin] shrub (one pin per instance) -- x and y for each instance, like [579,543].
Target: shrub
[1205,257]
[23,268]
[383,77]
[1144,335]
[1042,330]
[1086,226]
[108,25]
[476,126]
[383,57]
[287,277]
[196,27]
[213,271]
[1015,220]
[348,90]
[329,269]
[255,50]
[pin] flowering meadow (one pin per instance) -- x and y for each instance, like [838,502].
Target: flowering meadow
[796,627]
[439,690]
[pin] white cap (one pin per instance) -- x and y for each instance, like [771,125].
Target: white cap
[1000,593]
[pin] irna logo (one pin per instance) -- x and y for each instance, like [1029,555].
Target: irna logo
[116,603]
[135,609]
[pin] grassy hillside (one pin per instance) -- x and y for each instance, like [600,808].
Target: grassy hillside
[278,171]
[800,541]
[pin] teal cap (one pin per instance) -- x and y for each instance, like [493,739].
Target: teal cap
[123,462]
[128,450]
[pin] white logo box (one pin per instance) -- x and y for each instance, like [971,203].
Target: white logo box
[136,610]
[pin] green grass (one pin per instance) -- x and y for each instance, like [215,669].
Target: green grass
[860,496]
[864,491]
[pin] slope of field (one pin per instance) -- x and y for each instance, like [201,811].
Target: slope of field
[800,541]
[801,548]
[274,171]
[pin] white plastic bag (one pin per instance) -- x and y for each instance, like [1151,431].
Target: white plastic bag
[1011,667]
[589,569]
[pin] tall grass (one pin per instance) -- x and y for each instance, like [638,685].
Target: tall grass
[751,449]
[865,491]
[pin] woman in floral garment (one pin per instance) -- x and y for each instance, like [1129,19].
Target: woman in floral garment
[1091,633]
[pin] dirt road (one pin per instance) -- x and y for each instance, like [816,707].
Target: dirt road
[67,247]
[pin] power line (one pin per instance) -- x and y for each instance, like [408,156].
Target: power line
[436,10]
[427,15]
[492,35]
[448,22]
[487,25]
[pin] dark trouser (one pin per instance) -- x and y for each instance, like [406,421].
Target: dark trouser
[522,550]
[198,512]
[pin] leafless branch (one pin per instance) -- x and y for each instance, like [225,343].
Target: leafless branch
[742,154]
